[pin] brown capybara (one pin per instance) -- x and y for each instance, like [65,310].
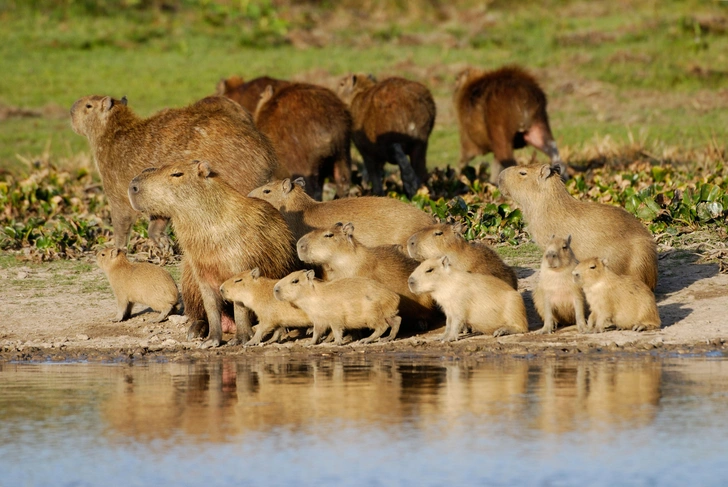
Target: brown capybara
[344,304]
[220,231]
[442,239]
[393,119]
[310,129]
[619,300]
[341,255]
[558,299]
[256,293]
[380,220]
[485,303]
[499,111]
[595,228]
[247,94]
[140,282]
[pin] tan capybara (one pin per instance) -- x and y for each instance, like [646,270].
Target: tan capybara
[442,239]
[344,304]
[393,119]
[341,255]
[622,301]
[557,298]
[596,228]
[221,232]
[379,220]
[247,94]
[499,111]
[141,282]
[310,129]
[256,293]
[484,303]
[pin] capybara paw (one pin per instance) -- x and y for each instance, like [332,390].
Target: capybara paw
[198,329]
[639,328]
[501,332]
[544,331]
[235,342]
[211,343]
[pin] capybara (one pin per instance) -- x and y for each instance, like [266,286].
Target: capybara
[256,293]
[558,299]
[247,94]
[342,255]
[344,304]
[596,228]
[622,301]
[310,129]
[499,111]
[220,231]
[140,282]
[485,303]
[442,239]
[393,119]
[379,220]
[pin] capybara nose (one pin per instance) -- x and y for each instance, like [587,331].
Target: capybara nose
[133,187]
[410,281]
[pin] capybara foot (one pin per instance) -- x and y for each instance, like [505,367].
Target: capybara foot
[118,318]
[236,342]
[211,343]
[546,330]
[163,315]
[501,332]
[198,329]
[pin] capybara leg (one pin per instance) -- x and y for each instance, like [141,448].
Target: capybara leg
[378,332]
[124,310]
[410,181]
[581,325]
[338,334]
[317,331]
[213,309]
[198,329]
[277,335]
[243,325]
[313,186]
[375,174]
[122,220]
[342,174]
[591,322]
[600,324]
[502,153]
[548,318]
[468,151]
[418,158]
[260,332]
[191,297]
[156,227]
[452,329]
[502,331]
[163,314]
[393,323]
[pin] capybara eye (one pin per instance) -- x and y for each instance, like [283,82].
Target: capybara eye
[295,281]
[522,173]
[266,191]
[328,235]
[237,280]
[438,233]
[429,270]
[593,266]
[177,174]
[88,105]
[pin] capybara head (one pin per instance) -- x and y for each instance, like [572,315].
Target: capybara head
[558,252]
[293,285]
[428,274]
[531,184]
[108,258]
[435,241]
[281,193]
[322,245]
[240,287]
[225,86]
[589,271]
[90,114]
[352,84]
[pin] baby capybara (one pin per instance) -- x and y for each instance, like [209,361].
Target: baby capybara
[247,93]
[393,119]
[499,111]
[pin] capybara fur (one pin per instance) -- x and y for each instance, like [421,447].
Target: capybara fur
[379,220]
[140,282]
[344,304]
[557,298]
[341,255]
[618,300]
[310,129]
[221,233]
[247,94]
[255,292]
[442,239]
[392,122]
[484,303]
[499,111]
[596,229]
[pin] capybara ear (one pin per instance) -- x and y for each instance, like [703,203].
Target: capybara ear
[287,186]
[310,275]
[267,92]
[107,103]
[300,181]
[548,171]
[348,230]
[372,77]
[114,253]
[221,86]
[605,262]
[123,100]
[445,261]
[203,169]
[353,80]
[338,225]
[255,273]
[568,239]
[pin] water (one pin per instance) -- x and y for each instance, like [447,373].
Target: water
[367,422]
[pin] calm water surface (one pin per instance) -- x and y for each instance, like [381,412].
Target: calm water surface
[367,422]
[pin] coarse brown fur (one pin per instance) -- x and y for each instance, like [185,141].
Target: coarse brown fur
[596,229]
[255,292]
[344,304]
[310,129]
[393,119]
[499,111]
[220,231]
[140,282]
[485,303]
[557,298]
[622,301]
[248,93]
[443,239]
[379,220]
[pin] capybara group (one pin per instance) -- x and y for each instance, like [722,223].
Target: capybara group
[392,122]
[499,111]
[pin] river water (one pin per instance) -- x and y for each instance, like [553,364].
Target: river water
[328,421]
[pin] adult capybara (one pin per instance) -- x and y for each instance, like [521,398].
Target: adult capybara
[499,111]
[140,282]
[220,231]
[344,304]
[310,129]
[485,303]
[247,94]
[622,301]
[442,239]
[393,119]
[558,299]
[380,220]
[595,228]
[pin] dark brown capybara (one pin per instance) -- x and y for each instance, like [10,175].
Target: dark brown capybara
[393,119]
[499,111]
[247,93]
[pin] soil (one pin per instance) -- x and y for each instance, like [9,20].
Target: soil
[61,311]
